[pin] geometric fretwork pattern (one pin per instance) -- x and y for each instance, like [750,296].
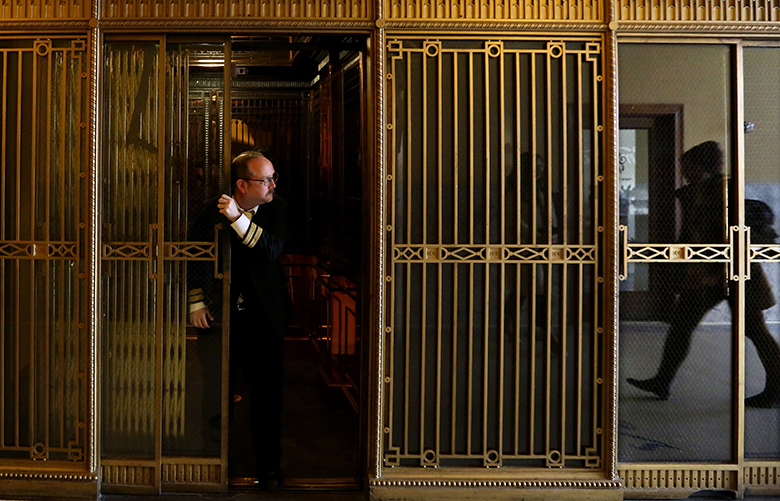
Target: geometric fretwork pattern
[678,252]
[761,253]
[507,253]
[492,334]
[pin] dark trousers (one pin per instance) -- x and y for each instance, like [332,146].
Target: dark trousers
[257,349]
[689,310]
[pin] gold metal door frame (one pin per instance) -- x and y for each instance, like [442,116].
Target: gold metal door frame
[424,253]
[52,241]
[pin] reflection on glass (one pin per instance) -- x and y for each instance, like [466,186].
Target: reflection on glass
[192,364]
[762,193]
[675,322]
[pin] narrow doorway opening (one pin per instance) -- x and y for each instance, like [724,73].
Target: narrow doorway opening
[300,99]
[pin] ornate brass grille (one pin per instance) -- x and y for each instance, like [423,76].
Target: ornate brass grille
[44,348]
[492,334]
[130,229]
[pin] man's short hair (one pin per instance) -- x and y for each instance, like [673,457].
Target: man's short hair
[241,164]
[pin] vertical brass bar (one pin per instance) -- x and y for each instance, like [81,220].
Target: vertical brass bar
[65,317]
[424,284]
[486,71]
[3,142]
[408,326]
[456,241]
[580,177]
[160,195]
[391,237]
[548,368]
[408,242]
[580,333]
[518,151]
[471,156]
[565,154]
[516,306]
[549,153]
[20,67]
[47,262]
[486,307]
[33,338]
[16,356]
[455,148]
[595,205]
[532,385]
[454,416]
[502,135]
[502,268]
[739,176]
[580,240]
[518,266]
[564,297]
[469,386]
[532,330]
[409,150]
[533,151]
[439,242]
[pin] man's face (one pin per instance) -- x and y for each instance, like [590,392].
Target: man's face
[254,190]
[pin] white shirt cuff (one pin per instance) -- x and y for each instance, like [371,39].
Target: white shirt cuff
[197,306]
[241,225]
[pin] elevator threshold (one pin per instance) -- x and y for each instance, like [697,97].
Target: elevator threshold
[300,484]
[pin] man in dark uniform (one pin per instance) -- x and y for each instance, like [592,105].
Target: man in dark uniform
[259,303]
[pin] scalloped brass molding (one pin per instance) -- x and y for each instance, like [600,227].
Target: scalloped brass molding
[494,10]
[698,10]
[265,9]
[31,10]
[676,478]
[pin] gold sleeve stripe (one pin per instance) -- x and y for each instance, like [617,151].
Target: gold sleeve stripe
[252,235]
[196,295]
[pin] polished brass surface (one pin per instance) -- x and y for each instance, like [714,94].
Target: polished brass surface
[26,10]
[494,10]
[267,9]
[159,179]
[466,378]
[44,330]
[692,10]
[137,255]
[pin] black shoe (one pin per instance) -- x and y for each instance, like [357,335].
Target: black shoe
[651,385]
[269,480]
[764,400]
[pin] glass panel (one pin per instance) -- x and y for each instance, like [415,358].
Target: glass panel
[129,209]
[192,358]
[675,321]
[762,193]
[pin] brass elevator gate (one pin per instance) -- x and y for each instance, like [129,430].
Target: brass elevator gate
[493,330]
[157,401]
[44,343]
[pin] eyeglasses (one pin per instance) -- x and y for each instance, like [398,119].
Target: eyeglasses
[266,181]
